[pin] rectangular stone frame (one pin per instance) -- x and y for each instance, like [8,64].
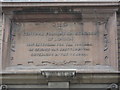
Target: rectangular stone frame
[113,34]
[35,79]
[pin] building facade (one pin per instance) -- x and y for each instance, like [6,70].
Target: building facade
[65,44]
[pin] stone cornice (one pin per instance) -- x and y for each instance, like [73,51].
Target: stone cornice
[38,78]
[81,4]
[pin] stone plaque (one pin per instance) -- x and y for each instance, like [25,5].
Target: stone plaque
[63,43]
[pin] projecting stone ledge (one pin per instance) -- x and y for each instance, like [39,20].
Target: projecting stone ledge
[69,76]
[59,72]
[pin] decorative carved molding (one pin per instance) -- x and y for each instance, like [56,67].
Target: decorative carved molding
[61,73]
[59,63]
[3,87]
[106,42]
[60,25]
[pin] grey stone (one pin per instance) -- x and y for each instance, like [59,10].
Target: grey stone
[58,84]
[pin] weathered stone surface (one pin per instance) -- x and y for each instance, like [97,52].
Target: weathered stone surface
[37,78]
[57,43]
[24,66]
[0,42]
[58,84]
[118,27]
[64,40]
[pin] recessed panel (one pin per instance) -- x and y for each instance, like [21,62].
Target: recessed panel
[63,43]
